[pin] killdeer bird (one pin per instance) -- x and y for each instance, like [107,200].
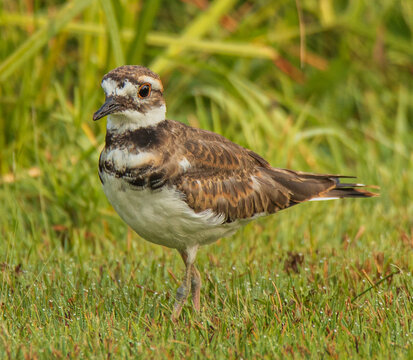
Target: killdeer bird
[183,187]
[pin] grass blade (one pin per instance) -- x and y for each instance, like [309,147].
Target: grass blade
[144,24]
[153,38]
[41,37]
[195,30]
[113,29]
[375,285]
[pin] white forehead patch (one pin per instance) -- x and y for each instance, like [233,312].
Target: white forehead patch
[109,86]
[112,87]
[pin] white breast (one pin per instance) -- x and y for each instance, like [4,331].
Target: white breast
[162,217]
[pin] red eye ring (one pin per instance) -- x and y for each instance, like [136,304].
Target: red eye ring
[144,90]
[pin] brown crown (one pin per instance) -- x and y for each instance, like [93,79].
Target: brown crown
[130,72]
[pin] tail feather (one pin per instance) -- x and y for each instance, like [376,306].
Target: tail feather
[349,191]
[303,186]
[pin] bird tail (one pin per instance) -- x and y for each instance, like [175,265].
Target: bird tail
[302,186]
[345,190]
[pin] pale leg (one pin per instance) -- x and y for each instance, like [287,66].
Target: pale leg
[196,288]
[188,256]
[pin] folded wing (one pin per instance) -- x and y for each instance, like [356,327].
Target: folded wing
[239,184]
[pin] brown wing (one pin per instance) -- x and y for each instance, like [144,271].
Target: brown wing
[222,177]
[240,184]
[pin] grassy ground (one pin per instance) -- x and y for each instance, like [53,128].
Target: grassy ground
[75,282]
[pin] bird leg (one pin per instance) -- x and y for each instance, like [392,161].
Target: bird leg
[196,288]
[182,292]
[191,281]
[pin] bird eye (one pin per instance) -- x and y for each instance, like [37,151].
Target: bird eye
[144,90]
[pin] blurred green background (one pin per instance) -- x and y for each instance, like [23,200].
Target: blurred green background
[312,85]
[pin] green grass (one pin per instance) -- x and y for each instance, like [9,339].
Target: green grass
[75,282]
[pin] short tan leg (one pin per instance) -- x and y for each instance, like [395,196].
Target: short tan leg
[188,256]
[196,288]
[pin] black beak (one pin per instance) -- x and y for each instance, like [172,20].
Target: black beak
[110,106]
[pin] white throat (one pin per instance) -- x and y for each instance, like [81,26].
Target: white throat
[130,120]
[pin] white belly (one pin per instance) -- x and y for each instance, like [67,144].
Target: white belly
[162,217]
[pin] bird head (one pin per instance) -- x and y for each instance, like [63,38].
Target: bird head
[134,98]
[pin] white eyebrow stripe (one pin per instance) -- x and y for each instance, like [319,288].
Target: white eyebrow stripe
[155,83]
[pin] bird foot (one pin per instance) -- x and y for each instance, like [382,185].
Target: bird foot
[181,296]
